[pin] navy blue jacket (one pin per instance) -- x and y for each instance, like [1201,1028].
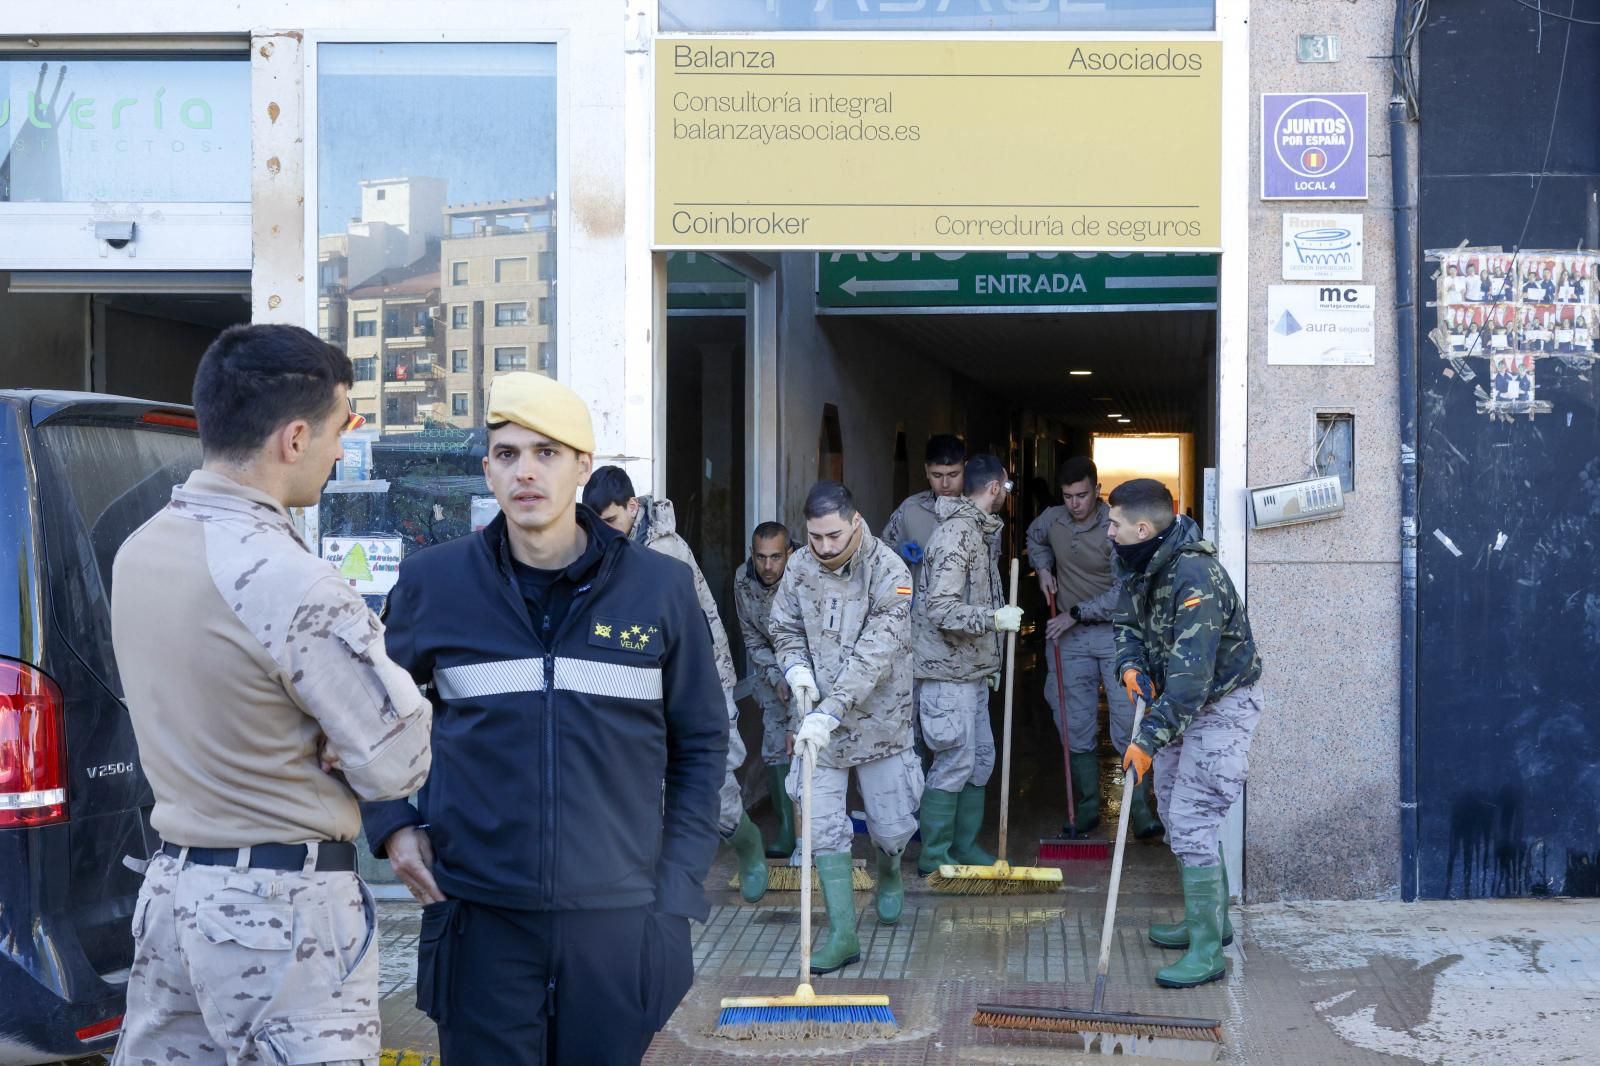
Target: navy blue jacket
[550,755]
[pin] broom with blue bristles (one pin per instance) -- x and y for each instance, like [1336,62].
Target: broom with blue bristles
[805,1015]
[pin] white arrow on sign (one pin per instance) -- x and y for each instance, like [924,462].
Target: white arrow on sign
[856,287]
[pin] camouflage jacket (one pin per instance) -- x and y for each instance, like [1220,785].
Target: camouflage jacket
[952,620]
[753,602]
[851,626]
[1183,623]
[657,529]
[910,529]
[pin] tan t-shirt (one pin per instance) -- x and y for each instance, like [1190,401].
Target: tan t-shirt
[238,650]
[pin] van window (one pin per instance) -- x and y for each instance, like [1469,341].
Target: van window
[99,482]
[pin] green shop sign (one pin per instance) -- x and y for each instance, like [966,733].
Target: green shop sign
[1076,281]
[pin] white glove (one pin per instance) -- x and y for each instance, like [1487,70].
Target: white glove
[814,732]
[802,683]
[1008,619]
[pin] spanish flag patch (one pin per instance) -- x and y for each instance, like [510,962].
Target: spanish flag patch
[1192,602]
[904,590]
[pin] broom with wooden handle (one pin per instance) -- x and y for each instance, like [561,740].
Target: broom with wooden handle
[1115,1033]
[1002,878]
[805,1015]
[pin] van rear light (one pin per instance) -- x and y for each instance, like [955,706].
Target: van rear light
[98,1029]
[33,748]
[170,418]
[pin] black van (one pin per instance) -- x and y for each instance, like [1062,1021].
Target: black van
[78,474]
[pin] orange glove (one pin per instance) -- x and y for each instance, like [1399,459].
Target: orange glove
[1139,686]
[1136,761]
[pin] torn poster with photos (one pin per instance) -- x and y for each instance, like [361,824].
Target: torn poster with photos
[1513,309]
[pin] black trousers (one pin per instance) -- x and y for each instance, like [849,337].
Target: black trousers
[571,988]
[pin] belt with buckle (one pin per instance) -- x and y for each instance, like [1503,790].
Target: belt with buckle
[333,856]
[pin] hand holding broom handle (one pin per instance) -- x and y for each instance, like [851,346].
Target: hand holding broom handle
[807,761]
[1116,874]
[1005,767]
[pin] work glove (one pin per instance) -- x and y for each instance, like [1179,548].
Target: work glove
[994,682]
[802,683]
[911,552]
[1008,619]
[1139,686]
[814,733]
[1137,762]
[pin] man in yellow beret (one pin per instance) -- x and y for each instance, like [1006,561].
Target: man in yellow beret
[561,843]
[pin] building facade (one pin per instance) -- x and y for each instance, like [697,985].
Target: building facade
[453,201]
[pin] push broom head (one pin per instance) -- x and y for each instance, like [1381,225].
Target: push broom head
[781,877]
[1066,849]
[1152,1036]
[806,1016]
[1001,879]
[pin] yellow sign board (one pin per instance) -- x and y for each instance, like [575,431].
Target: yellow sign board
[970,143]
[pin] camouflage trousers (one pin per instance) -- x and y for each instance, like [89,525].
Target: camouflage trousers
[774,727]
[235,966]
[1088,661]
[891,791]
[955,725]
[730,797]
[1201,774]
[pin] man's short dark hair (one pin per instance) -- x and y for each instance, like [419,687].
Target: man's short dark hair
[606,486]
[254,380]
[1144,499]
[830,498]
[944,449]
[1075,469]
[982,471]
[768,530]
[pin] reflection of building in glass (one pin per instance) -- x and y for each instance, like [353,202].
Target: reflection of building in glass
[431,302]
[497,267]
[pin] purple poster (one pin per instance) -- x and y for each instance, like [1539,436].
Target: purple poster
[1313,147]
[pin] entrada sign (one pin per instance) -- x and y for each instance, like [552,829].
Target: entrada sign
[980,280]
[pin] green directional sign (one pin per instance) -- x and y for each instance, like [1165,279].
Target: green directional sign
[983,280]
[697,282]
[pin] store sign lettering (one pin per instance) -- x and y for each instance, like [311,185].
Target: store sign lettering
[195,112]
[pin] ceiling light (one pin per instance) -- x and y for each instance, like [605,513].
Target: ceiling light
[1125,421]
[1117,415]
[1080,373]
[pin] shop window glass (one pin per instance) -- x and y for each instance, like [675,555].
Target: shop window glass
[77,129]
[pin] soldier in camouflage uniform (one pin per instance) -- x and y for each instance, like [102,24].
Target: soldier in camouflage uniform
[754,586]
[1072,557]
[263,708]
[957,620]
[653,523]
[1184,647]
[840,625]
[911,526]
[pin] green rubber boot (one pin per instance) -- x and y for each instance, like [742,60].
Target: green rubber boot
[969,820]
[842,948]
[1142,820]
[1176,935]
[1203,907]
[891,889]
[746,843]
[783,807]
[1085,792]
[938,829]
